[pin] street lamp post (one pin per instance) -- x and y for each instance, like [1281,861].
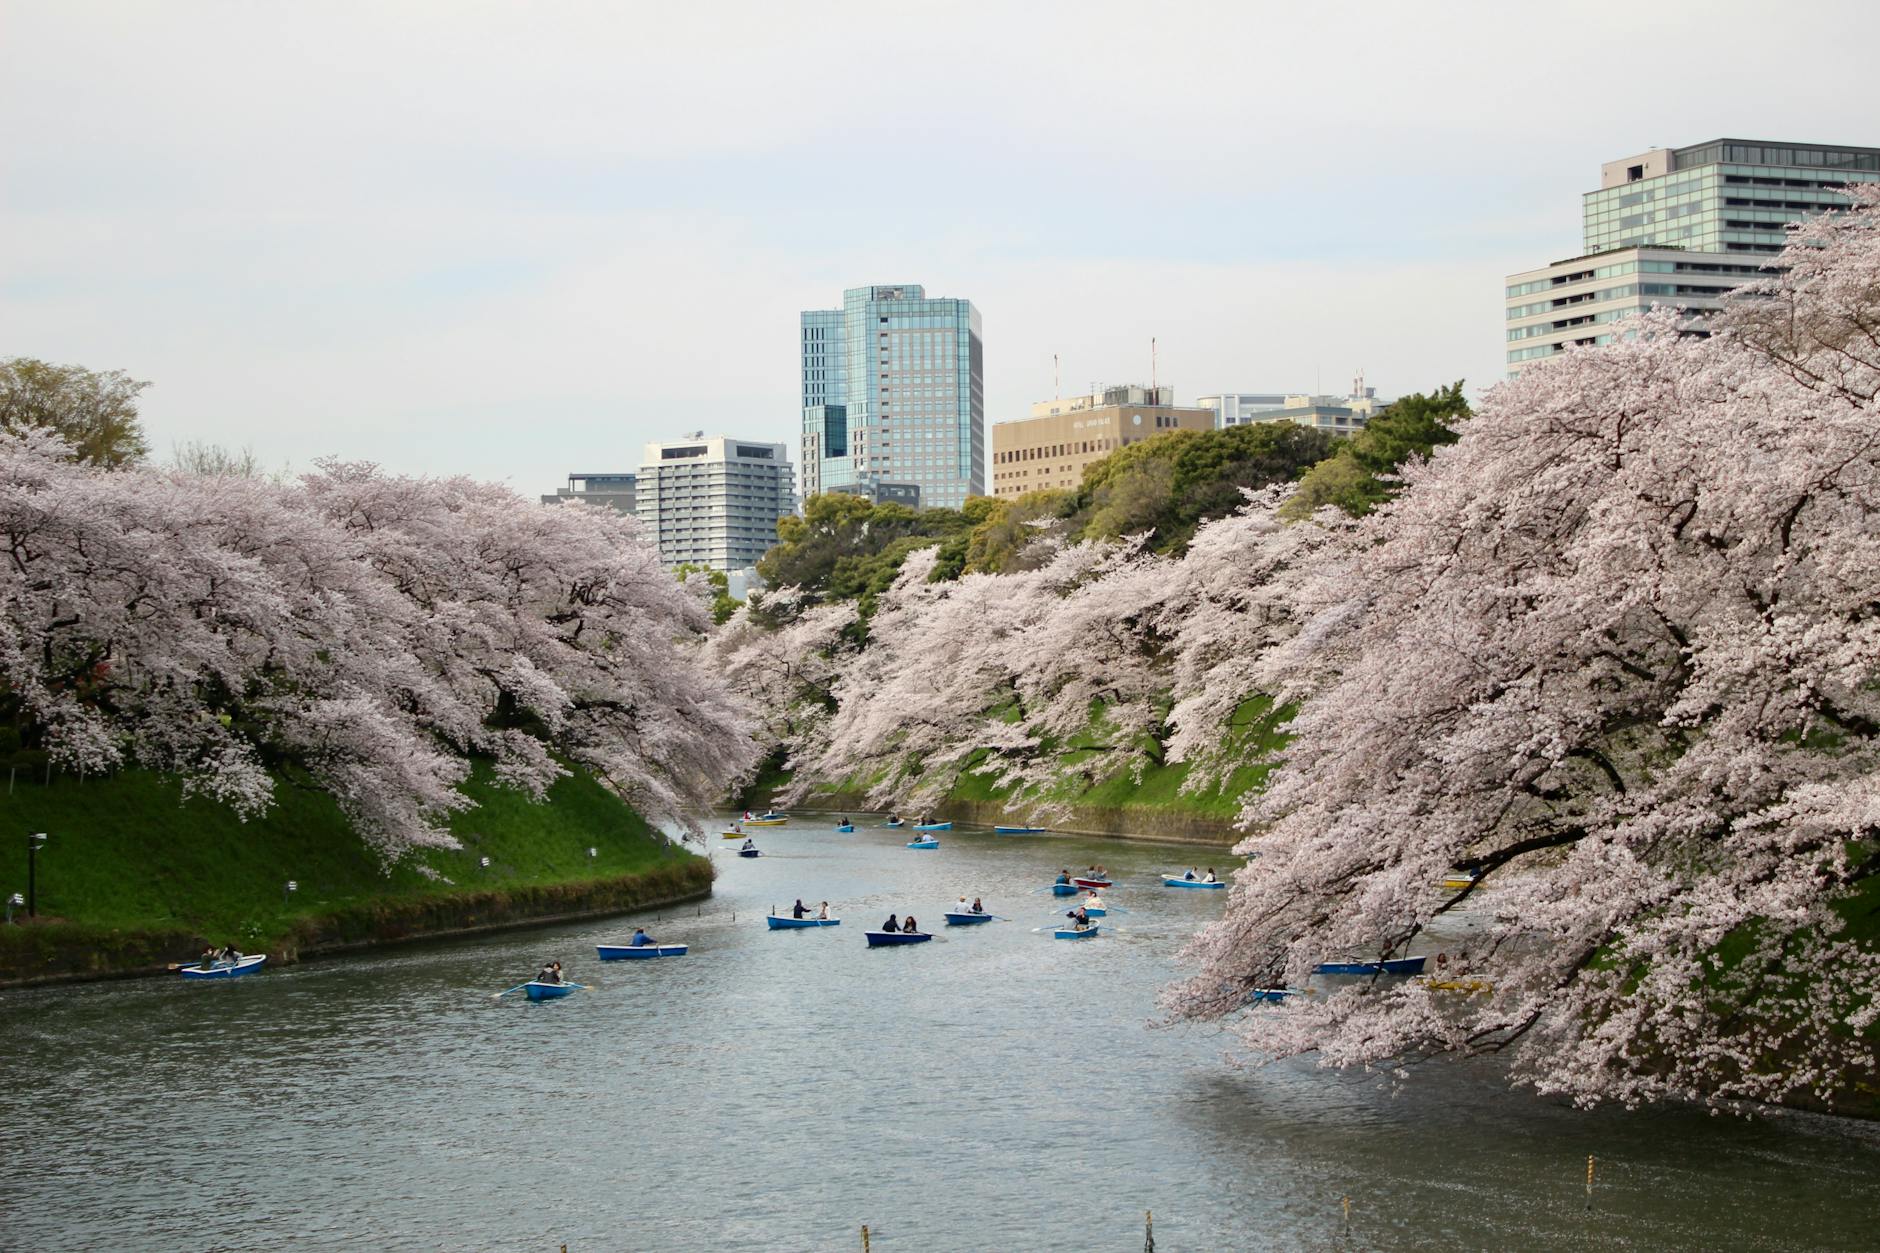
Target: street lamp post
[287,893]
[34,843]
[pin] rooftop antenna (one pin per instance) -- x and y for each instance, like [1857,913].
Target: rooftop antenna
[1057,388]
[1152,365]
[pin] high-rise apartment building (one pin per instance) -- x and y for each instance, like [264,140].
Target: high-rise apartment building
[714,502]
[1051,448]
[894,390]
[1678,227]
[612,490]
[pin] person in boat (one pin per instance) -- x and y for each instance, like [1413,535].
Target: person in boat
[801,910]
[977,907]
[822,911]
[1210,878]
[749,844]
[842,822]
[1190,876]
[551,973]
[1079,919]
[963,907]
[910,927]
[641,939]
[892,925]
[1093,901]
[210,956]
[1064,876]
[893,818]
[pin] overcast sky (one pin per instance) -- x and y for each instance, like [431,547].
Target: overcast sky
[518,239]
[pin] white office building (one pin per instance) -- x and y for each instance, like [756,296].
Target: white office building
[1678,227]
[714,501]
[1341,415]
[1240,408]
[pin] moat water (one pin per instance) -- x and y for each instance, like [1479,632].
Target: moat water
[993,1090]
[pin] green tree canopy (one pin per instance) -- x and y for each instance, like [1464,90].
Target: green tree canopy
[1355,478]
[1171,483]
[723,606]
[843,546]
[94,411]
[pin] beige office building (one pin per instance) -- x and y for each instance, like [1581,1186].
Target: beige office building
[1051,448]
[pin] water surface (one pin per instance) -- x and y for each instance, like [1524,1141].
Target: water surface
[995,1089]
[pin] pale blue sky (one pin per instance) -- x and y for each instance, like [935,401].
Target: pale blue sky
[514,240]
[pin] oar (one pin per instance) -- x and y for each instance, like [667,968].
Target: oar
[507,991]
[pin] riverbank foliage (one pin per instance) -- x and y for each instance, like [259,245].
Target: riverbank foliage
[1612,651]
[368,631]
[1615,652]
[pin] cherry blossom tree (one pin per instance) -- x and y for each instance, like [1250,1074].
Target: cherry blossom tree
[371,629]
[1616,653]
[780,653]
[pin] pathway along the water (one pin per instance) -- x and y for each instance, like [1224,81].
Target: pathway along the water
[776,1090]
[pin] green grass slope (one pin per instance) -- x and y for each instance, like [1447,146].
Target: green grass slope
[128,852]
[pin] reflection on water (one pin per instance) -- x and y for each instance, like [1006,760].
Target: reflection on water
[995,1089]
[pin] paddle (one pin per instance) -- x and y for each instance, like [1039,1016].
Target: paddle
[507,991]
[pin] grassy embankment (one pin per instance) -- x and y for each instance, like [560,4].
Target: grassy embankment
[133,875]
[1110,803]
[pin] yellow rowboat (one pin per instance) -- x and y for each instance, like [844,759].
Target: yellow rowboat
[765,822]
[1471,986]
[734,835]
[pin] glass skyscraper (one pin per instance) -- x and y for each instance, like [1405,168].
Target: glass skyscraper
[894,391]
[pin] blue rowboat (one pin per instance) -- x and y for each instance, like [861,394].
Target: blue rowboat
[1075,933]
[750,852]
[224,970]
[967,920]
[622,952]
[923,843]
[1176,881]
[779,923]
[895,824]
[1389,966]
[847,828]
[1271,994]
[772,816]
[1096,911]
[884,939]
[1063,889]
[933,826]
[1018,830]
[539,991]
